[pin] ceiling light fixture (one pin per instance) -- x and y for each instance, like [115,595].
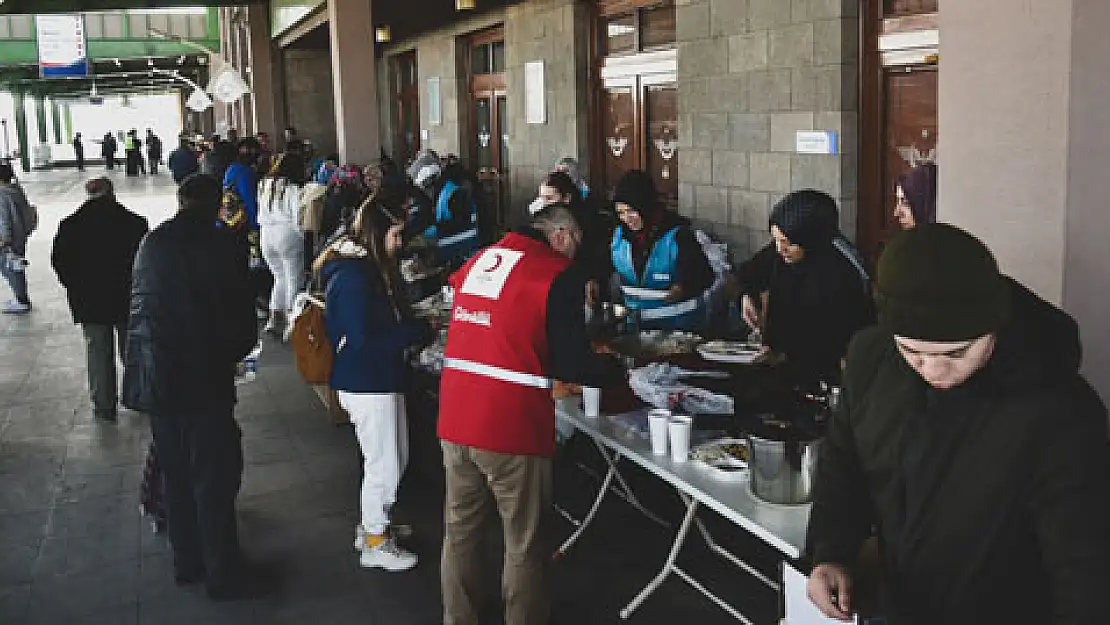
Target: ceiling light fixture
[465,5]
[383,34]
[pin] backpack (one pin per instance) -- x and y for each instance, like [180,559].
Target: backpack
[311,347]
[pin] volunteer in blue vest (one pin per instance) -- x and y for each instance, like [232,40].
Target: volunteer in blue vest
[518,324]
[453,227]
[660,265]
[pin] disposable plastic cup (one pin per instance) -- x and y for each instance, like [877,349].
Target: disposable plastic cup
[658,421]
[591,401]
[680,427]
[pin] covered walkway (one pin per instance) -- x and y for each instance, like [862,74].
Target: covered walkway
[76,551]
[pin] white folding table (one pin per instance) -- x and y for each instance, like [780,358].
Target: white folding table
[782,527]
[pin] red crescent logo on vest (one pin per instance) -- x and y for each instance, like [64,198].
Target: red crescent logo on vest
[496,263]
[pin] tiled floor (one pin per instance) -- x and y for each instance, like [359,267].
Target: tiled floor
[74,550]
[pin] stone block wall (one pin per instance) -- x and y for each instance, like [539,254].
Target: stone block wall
[751,73]
[308,91]
[555,32]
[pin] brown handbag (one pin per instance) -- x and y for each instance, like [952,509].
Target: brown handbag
[311,347]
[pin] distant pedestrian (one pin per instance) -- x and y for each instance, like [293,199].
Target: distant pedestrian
[108,147]
[153,151]
[191,322]
[132,149]
[17,220]
[183,160]
[93,253]
[79,151]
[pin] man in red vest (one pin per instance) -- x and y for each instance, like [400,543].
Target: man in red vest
[518,323]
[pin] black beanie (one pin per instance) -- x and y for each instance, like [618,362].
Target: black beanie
[637,189]
[939,283]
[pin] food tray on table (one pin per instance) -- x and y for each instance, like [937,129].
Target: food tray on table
[731,352]
[654,344]
[725,459]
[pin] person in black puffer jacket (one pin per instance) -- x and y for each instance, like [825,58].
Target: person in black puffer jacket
[93,254]
[192,320]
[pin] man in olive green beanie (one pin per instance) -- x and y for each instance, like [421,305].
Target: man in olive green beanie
[969,440]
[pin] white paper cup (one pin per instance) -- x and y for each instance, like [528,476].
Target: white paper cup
[591,401]
[658,421]
[680,427]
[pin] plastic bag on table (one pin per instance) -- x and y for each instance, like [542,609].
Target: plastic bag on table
[659,384]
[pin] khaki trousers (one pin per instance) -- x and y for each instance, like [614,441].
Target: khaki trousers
[519,489]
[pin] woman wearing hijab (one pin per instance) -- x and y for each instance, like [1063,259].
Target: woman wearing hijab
[661,267]
[370,326]
[814,296]
[916,197]
[593,254]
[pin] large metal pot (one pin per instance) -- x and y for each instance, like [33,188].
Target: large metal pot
[783,467]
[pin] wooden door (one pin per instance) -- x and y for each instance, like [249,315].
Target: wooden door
[620,136]
[911,128]
[406,108]
[661,134]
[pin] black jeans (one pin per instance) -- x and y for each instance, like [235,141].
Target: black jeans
[201,455]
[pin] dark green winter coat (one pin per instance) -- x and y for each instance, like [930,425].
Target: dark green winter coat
[991,500]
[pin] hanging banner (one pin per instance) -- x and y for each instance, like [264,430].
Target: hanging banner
[61,43]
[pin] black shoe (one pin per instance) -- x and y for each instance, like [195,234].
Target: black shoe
[188,578]
[108,416]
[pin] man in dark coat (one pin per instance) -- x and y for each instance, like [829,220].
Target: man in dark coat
[79,151]
[192,320]
[93,253]
[972,445]
[183,160]
[153,151]
[108,147]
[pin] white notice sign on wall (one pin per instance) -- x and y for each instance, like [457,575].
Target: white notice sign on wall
[535,93]
[817,142]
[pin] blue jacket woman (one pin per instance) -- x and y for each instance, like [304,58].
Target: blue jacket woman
[370,328]
[662,270]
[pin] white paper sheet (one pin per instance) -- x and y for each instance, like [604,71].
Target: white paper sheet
[799,609]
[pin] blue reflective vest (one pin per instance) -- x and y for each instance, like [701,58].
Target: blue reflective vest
[456,247]
[647,295]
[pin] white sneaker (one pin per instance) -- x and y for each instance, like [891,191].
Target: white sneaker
[402,532]
[387,555]
[15,307]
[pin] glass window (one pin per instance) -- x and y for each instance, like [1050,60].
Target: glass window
[910,7]
[198,26]
[179,25]
[159,22]
[5,27]
[479,59]
[94,26]
[113,26]
[20,26]
[497,55]
[620,34]
[657,26]
[139,29]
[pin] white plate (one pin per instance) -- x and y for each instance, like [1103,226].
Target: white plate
[729,352]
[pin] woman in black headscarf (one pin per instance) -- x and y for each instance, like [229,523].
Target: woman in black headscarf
[814,296]
[916,197]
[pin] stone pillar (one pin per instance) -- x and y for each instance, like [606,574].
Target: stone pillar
[266,74]
[1024,142]
[56,119]
[750,76]
[22,140]
[353,68]
[40,118]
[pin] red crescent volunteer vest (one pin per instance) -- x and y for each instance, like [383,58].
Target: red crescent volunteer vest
[495,393]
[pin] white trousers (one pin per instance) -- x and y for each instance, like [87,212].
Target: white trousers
[381,427]
[283,250]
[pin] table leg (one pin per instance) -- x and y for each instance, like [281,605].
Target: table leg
[605,485]
[728,555]
[625,491]
[668,566]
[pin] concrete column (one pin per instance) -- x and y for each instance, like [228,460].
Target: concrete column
[21,137]
[56,118]
[356,98]
[266,74]
[40,118]
[1024,142]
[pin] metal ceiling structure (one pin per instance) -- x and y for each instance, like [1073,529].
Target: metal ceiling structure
[82,6]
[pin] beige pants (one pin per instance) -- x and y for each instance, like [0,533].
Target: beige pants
[519,489]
